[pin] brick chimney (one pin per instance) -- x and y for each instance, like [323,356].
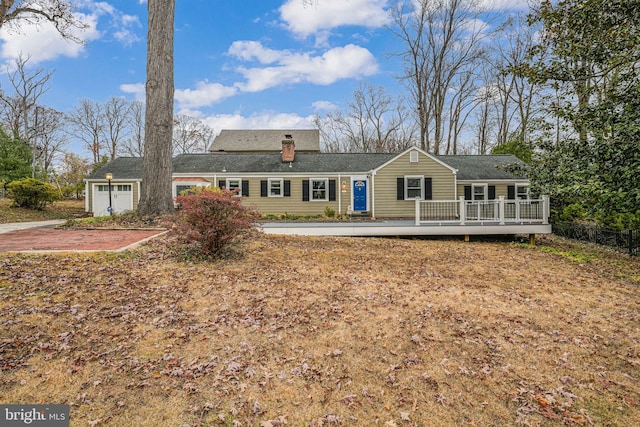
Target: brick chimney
[288,149]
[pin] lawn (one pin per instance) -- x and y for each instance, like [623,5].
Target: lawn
[308,331]
[63,209]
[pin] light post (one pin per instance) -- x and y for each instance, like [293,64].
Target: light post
[109,177]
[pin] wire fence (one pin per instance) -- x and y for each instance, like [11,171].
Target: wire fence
[628,240]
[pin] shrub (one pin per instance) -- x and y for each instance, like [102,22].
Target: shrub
[328,212]
[32,194]
[211,219]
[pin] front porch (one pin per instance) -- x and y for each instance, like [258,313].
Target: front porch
[438,218]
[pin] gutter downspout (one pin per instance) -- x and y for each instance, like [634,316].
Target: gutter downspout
[339,191]
[86,195]
[373,194]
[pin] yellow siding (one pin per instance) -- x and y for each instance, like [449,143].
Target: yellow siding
[385,185]
[294,204]
[501,188]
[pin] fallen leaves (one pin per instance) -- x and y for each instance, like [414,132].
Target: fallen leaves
[321,332]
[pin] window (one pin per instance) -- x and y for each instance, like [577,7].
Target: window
[182,188]
[413,187]
[522,191]
[479,192]
[413,157]
[319,189]
[124,187]
[235,184]
[103,188]
[275,187]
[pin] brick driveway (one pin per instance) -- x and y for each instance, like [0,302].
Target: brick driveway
[53,239]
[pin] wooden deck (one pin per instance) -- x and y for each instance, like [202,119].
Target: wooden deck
[399,228]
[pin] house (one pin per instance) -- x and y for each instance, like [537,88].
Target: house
[412,184]
[264,141]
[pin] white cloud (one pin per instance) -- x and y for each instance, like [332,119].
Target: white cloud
[136,89]
[43,42]
[204,94]
[248,50]
[504,4]
[324,106]
[262,120]
[329,14]
[125,29]
[290,68]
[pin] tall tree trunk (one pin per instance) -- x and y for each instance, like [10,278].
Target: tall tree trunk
[155,196]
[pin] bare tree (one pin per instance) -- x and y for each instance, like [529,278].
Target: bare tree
[50,137]
[115,116]
[134,145]
[19,109]
[17,13]
[440,41]
[155,195]
[374,122]
[86,124]
[190,135]
[73,170]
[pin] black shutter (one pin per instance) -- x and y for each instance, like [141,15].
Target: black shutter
[263,188]
[332,190]
[511,192]
[305,190]
[287,188]
[467,192]
[245,188]
[222,183]
[400,188]
[428,191]
[492,192]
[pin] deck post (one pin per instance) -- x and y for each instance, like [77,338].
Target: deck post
[417,212]
[501,209]
[532,239]
[545,209]
[463,211]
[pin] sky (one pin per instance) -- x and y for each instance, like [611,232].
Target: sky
[238,64]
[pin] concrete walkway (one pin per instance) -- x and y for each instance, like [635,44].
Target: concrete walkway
[13,226]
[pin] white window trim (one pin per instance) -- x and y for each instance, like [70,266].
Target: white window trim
[239,181]
[518,186]
[326,190]
[420,179]
[485,191]
[413,157]
[177,184]
[272,180]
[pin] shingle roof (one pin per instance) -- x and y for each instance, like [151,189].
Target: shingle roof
[471,168]
[272,163]
[265,140]
[121,168]
[489,167]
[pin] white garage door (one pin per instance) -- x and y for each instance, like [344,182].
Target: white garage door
[121,198]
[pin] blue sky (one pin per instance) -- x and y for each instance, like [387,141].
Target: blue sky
[238,64]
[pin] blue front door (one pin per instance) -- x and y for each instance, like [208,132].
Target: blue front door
[360,195]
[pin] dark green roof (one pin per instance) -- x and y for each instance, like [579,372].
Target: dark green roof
[489,167]
[472,168]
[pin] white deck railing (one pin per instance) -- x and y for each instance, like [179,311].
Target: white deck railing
[501,211]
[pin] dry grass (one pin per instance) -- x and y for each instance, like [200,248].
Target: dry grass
[327,331]
[62,209]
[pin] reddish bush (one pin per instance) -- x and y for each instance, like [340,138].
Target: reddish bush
[210,219]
